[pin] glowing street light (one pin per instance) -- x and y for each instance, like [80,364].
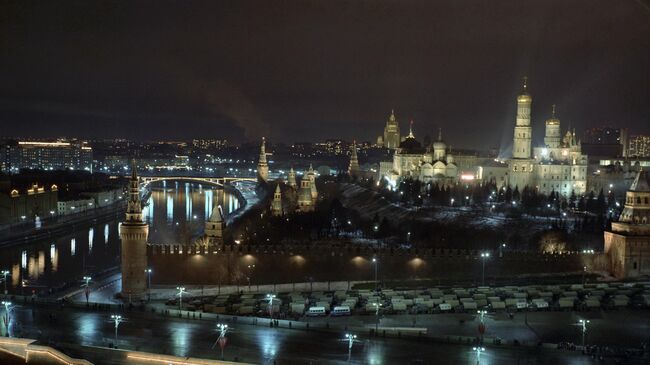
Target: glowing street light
[181,290]
[484,256]
[6,318]
[377,306]
[482,314]
[583,324]
[376,263]
[87,287]
[350,339]
[5,273]
[270,298]
[117,319]
[148,271]
[478,351]
[222,339]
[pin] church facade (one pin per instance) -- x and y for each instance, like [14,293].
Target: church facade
[556,166]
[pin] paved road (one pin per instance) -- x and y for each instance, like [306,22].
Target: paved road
[259,344]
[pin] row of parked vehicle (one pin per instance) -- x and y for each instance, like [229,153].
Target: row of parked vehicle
[430,300]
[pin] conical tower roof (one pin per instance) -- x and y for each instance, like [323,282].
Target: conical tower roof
[640,182]
[217,215]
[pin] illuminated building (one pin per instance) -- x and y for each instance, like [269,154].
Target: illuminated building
[214,227]
[639,146]
[305,202]
[276,205]
[262,165]
[427,164]
[55,155]
[353,169]
[17,205]
[627,244]
[557,166]
[133,234]
[391,138]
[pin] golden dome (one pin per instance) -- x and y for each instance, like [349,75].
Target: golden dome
[524,97]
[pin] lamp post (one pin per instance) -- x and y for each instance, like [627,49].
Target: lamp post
[376,263]
[222,339]
[270,298]
[350,339]
[583,325]
[87,287]
[4,278]
[250,274]
[6,318]
[377,306]
[484,256]
[478,351]
[181,290]
[117,319]
[148,271]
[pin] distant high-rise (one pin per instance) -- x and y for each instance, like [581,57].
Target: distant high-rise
[391,132]
[133,234]
[47,155]
[262,165]
[639,146]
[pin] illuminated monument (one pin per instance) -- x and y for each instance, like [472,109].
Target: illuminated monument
[628,242]
[262,165]
[353,169]
[391,138]
[556,166]
[133,234]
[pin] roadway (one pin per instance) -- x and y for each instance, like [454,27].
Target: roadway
[260,344]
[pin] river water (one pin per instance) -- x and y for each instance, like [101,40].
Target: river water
[175,211]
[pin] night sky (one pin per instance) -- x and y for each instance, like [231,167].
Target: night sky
[310,70]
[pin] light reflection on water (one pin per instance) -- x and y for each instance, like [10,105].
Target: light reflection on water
[66,258]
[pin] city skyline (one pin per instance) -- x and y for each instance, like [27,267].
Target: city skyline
[233,73]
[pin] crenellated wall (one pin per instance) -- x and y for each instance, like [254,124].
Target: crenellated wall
[233,265]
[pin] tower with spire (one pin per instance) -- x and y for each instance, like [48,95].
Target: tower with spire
[276,205]
[262,165]
[552,137]
[214,227]
[523,131]
[311,176]
[305,201]
[133,235]
[391,138]
[353,169]
[291,179]
[627,244]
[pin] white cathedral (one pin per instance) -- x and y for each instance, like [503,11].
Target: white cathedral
[425,163]
[558,165]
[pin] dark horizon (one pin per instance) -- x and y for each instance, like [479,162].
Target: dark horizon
[309,71]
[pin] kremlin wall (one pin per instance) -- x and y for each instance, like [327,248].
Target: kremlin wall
[229,265]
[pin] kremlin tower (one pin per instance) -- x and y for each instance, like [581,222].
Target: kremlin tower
[262,165]
[353,169]
[214,227]
[276,205]
[291,180]
[133,234]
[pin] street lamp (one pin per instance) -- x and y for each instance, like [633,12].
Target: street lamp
[250,273]
[6,318]
[148,271]
[117,319]
[376,263]
[377,306]
[350,339]
[181,290]
[221,340]
[87,288]
[484,256]
[270,297]
[482,314]
[478,351]
[583,324]
[4,278]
